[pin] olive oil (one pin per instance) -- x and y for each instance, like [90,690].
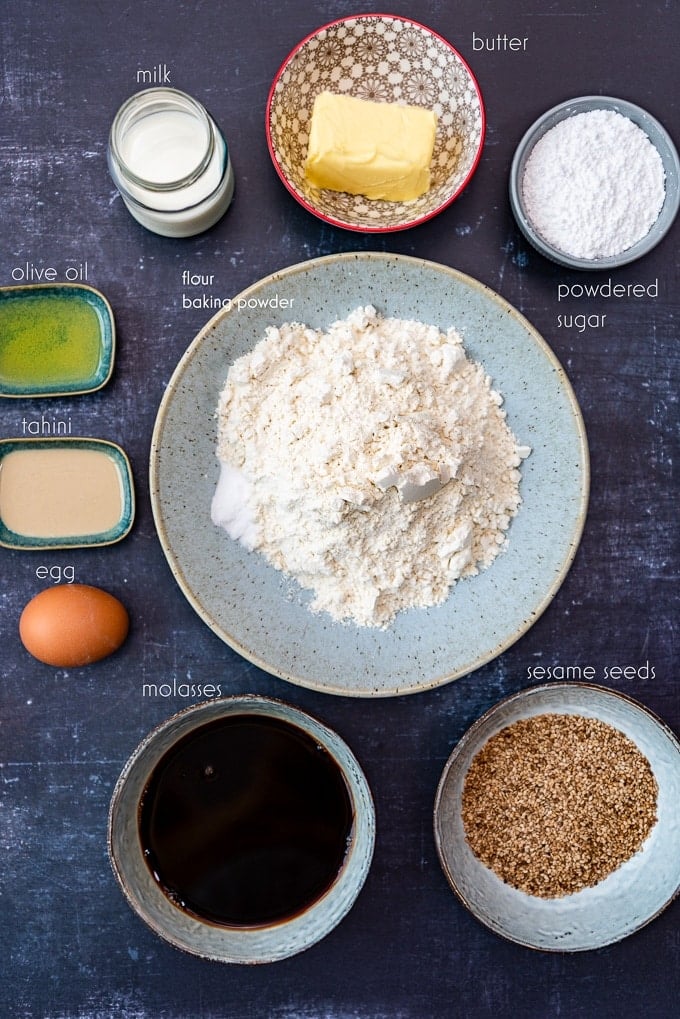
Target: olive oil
[246,821]
[48,340]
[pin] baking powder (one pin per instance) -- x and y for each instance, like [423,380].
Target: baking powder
[372,462]
[593,185]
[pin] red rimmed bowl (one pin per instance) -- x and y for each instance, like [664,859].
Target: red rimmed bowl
[383,58]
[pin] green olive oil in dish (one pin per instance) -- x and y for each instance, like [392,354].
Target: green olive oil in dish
[54,340]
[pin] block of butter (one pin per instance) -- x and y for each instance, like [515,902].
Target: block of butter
[380,150]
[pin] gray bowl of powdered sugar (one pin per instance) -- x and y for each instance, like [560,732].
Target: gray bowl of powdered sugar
[594,183]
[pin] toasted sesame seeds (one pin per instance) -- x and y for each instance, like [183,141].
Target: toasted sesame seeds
[555,803]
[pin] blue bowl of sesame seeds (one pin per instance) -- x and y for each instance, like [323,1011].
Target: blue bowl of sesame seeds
[594,183]
[530,823]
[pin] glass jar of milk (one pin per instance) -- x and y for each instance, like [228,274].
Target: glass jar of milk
[170,162]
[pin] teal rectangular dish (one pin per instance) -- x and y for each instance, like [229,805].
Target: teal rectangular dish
[55,340]
[64,493]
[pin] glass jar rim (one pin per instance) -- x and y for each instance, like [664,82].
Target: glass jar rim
[138,99]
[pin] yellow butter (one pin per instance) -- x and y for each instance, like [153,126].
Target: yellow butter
[379,150]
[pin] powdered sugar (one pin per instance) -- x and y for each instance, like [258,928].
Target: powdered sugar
[377,465]
[593,185]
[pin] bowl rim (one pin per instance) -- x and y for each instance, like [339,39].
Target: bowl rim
[538,129]
[333,221]
[468,737]
[190,718]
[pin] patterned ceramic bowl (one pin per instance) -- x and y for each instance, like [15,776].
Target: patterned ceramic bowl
[384,59]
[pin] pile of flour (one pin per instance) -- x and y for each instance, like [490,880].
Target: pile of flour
[372,462]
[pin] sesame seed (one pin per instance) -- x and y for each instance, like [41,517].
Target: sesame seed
[555,803]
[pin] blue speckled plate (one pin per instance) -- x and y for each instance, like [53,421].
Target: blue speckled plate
[65,342]
[262,614]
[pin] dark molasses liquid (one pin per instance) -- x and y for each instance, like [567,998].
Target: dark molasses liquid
[245,821]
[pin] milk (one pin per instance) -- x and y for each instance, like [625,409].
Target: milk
[170,163]
[165,147]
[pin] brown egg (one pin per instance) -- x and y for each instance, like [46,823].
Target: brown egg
[73,624]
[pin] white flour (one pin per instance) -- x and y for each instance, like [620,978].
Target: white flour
[593,185]
[371,462]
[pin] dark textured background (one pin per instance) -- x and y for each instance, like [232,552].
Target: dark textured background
[69,944]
